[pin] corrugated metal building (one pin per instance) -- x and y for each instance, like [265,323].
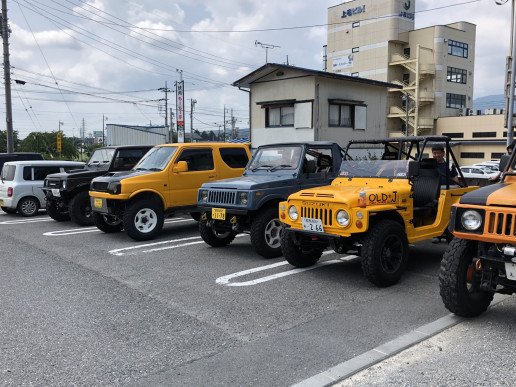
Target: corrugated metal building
[135,135]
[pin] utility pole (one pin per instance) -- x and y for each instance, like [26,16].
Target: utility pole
[192,107]
[166,90]
[510,101]
[224,123]
[7,78]
[171,132]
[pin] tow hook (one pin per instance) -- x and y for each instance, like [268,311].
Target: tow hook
[233,220]
[204,217]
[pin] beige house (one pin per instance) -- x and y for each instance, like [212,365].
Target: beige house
[376,39]
[288,103]
[476,138]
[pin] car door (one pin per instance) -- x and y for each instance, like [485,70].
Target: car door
[318,167]
[201,169]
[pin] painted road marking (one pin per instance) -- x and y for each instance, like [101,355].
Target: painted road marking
[226,280]
[22,221]
[83,230]
[123,250]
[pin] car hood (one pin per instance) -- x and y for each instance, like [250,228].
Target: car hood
[86,173]
[253,182]
[118,176]
[501,194]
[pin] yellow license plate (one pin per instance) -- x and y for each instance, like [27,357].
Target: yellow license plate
[98,203]
[218,213]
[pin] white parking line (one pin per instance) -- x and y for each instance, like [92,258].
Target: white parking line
[83,230]
[121,251]
[225,280]
[22,221]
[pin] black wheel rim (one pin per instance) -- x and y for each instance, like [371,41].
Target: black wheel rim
[391,255]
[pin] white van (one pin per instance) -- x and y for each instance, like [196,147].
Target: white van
[21,183]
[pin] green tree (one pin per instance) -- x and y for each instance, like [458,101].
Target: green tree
[3,141]
[46,144]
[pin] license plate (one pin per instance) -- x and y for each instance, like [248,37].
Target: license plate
[56,192]
[97,203]
[510,271]
[311,224]
[218,213]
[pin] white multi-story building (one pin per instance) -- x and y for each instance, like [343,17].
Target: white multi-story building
[376,39]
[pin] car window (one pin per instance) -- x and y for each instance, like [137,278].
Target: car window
[234,157]
[41,172]
[198,159]
[466,170]
[8,172]
[125,159]
[156,159]
[318,160]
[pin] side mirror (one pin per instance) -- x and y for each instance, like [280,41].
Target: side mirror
[504,161]
[181,166]
[413,169]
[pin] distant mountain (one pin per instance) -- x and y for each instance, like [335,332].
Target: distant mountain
[489,101]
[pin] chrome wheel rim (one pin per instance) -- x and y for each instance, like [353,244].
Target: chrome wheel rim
[29,207]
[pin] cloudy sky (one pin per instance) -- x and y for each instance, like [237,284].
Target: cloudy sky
[82,60]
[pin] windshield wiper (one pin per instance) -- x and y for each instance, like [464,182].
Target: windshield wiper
[281,167]
[140,169]
[154,169]
[262,167]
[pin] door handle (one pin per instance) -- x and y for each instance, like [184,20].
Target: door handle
[211,176]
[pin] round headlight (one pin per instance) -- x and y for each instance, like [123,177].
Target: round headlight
[342,218]
[471,220]
[292,212]
[243,197]
[204,196]
[114,188]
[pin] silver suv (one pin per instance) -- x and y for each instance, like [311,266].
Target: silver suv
[21,183]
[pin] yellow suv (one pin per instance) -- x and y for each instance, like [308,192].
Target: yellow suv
[388,194]
[164,182]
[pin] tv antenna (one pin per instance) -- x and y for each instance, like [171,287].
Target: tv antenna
[266,46]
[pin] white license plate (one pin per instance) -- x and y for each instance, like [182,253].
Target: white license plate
[510,271]
[56,192]
[311,224]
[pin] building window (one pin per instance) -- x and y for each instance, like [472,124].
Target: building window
[355,49]
[341,115]
[457,75]
[454,135]
[472,155]
[513,134]
[457,48]
[455,101]
[406,78]
[496,155]
[355,24]
[279,116]
[484,134]
[406,52]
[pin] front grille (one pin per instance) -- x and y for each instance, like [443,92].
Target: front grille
[501,223]
[324,214]
[99,186]
[222,197]
[53,183]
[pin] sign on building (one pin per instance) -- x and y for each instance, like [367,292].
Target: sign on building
[343,62]
[180,110]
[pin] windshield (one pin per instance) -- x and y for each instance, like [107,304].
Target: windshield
[270,158]
[101,156]
[156,159]
[396,169]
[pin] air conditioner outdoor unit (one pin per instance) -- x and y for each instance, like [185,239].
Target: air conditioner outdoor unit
[463,112]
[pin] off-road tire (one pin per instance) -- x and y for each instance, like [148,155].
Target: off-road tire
[295,255]
[458,296]
[105,224]
[385,253]
[215,238]
[9,210]
[28,206]
[80,209]
[54,212]
[143,220]
[266,233]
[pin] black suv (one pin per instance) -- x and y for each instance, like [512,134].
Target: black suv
[249,204]
[67,193]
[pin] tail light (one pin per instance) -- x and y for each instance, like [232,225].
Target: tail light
[10,192]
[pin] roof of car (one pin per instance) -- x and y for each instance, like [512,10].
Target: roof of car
[44,162]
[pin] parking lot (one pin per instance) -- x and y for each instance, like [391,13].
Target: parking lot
[81,307]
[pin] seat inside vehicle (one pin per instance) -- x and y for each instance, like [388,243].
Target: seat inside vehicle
[426,189]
